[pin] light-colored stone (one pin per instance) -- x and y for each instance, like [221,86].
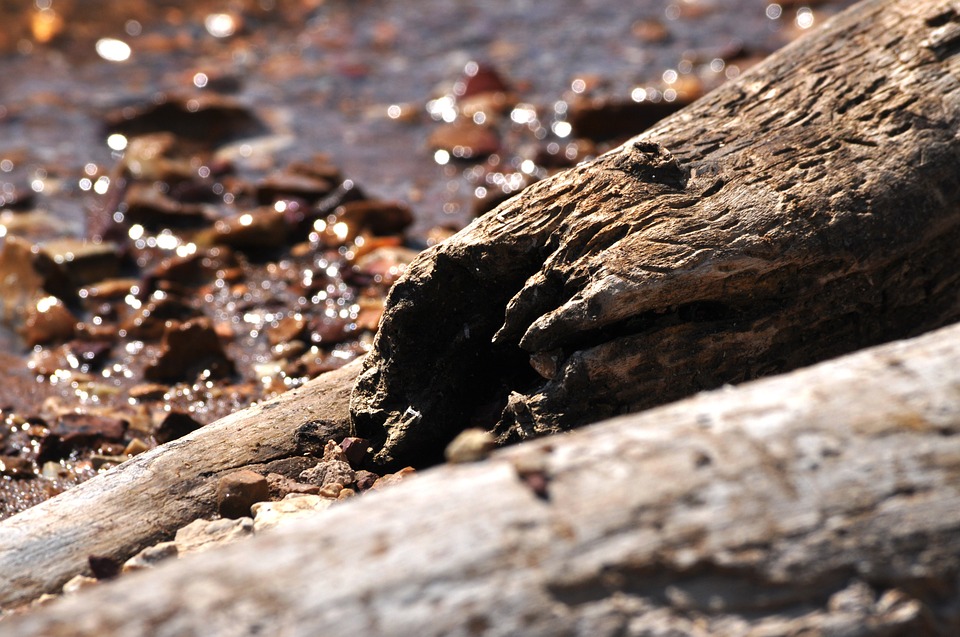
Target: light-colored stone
[201,535]
[270,514]
[77,583]
[151,556]
[470,445]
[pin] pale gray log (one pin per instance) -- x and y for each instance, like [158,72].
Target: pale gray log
[149,497]
[822,502]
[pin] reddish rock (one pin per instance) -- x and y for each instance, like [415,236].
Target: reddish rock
[479,79]
[188,349]
[355,450]
[287,329]
[238,491]
[48,321]
[68,264]
[374,216]
[393,478]
[465,140]
[16,467]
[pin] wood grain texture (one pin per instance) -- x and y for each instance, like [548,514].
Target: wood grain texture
[808,209]
[147,498]
[824,502]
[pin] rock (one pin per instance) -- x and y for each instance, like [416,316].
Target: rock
[392,478]
[287,329]
[21,286]
[238,491]
[482,89]
[104,567]
[374,216]
[152,319]
[478,79]
[48,321]
[68,264]
[270,514]
[355,450]
[16,467]
[175,425]
[73,431]
[148,392]
[650,31]
[290,467]
[151,556]
[470,445]
[327,472]
[465,140]
[135,447]
[201,535]
[331,490]
[208,118]
[87,356]
[153,209]
[187,350]
[282,486]
[192,270]
[157,157]
[285,185]
[260,229]
[607,118]
[365,479]
[77,583]
[386,264]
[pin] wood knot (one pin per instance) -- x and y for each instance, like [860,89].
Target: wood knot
[652,163]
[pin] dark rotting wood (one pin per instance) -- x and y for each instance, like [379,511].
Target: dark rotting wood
[808,209]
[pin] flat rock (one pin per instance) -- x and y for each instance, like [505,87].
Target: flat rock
[270,514]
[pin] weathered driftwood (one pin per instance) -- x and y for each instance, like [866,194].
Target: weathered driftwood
[825,501]
[149,497]
[806,210]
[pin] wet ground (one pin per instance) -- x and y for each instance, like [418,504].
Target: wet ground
[204,202]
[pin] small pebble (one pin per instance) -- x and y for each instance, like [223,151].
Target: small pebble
[238,491]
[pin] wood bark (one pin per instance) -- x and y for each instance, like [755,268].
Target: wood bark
[825,501]
[808,209]
[146,499]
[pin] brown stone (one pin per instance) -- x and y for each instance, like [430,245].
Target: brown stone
[189,349]
[48,321]
[238,491]
[67,264]
[175,425]
[465,140]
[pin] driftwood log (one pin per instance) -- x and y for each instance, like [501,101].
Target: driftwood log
[808,209]
[146,499]
[822,502]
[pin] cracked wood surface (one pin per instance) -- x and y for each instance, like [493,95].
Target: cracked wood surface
[147,498]
[808,209]
[824,501]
